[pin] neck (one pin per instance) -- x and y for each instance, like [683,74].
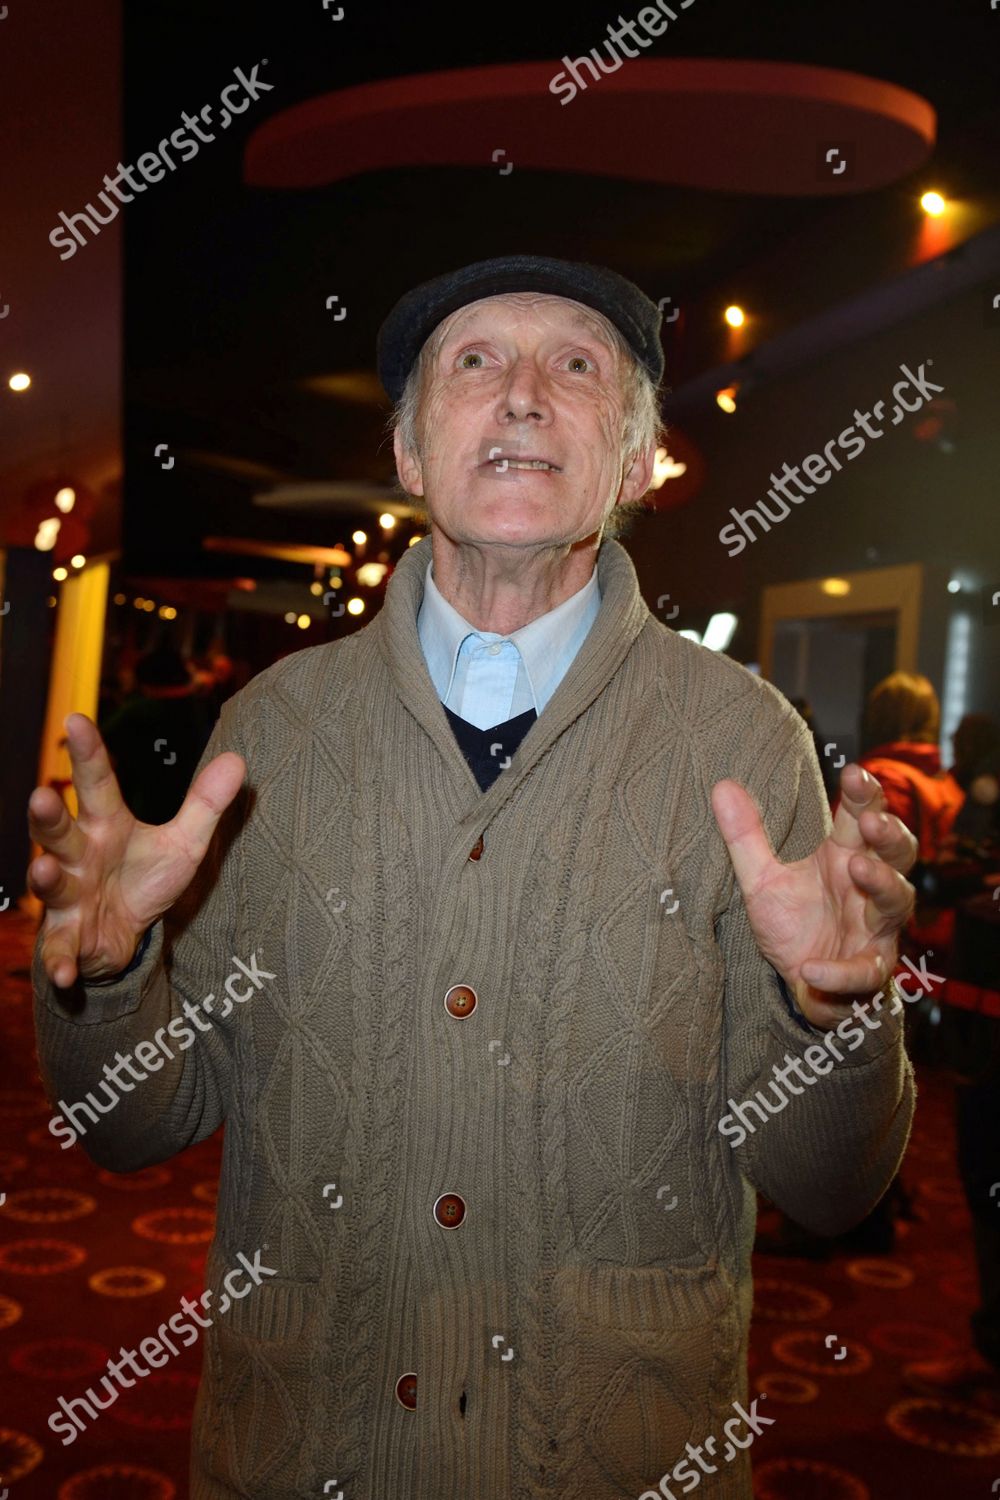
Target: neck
[502,588]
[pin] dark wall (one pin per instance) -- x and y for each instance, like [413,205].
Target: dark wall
[901,500]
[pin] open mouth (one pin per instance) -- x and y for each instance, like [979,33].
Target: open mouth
[502,464]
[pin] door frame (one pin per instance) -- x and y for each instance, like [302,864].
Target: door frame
[897,590]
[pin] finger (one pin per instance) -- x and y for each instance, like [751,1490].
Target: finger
[850,977]
[746,838]
[859,792]
[59,952]
[50,824]
[95,782]
[891,897]
[52,883]
[210,794]
[890,838]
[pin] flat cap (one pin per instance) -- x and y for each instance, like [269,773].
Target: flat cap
[418,313]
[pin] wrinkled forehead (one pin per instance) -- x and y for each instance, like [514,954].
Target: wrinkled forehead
[550,314]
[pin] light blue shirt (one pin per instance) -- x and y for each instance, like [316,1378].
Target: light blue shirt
[487,678]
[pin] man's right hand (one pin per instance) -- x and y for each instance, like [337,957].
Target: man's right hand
[104,876]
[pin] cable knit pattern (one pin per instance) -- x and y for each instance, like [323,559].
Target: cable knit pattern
[589,1316]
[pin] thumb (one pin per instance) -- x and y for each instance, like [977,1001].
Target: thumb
[211,792]
[746,838]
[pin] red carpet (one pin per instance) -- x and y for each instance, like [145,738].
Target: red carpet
[91,1262]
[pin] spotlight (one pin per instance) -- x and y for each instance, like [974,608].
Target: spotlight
[933,204]
[735,316]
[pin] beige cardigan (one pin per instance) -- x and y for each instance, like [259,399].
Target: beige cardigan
[576,1101]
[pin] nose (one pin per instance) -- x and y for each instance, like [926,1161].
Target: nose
[524,397]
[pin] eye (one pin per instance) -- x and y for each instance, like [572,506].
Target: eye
[579,362]
[471,354]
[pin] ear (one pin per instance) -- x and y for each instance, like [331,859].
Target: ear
[407,466]
[637,478]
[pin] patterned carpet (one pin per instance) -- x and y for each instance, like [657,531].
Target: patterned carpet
[91,1262]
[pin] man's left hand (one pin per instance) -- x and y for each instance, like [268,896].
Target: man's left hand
[829,924]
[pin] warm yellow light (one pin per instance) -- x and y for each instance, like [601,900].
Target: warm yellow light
[139,602]
[386,521]
[370,574]
[78,560]
[303,622]
[65,500]
[933,204]
[316,588]
[45,536]
[836,586]
[290,617]
[414,540]
[20,381]
[119,598]
[52,601]
[664,468]
[59,574]
[149,605]
[359,537]
[167,612]
[727,398]
[355,606]
[735,316]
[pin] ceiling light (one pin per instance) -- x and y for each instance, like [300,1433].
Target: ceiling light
[386,521]
[726,398]
[59,574]
[303,622]
[65,499]
[20,381]
[78,559]
[933,204]
[355,606]
[370,574]
[45,536]
[665,468]
[360,537]
[835,586]
[735,316]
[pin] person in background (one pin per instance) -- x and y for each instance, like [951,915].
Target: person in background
[900,730]
[976,744]
[157,736]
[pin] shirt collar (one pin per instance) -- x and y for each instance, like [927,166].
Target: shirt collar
[442,630]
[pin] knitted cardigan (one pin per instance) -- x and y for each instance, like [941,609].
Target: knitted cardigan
[589,1316]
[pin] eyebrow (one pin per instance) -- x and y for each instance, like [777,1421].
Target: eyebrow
[585,332]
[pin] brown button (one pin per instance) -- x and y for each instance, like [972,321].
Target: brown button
[477,848]
[406,1390]
[449,1210]
[460,1001]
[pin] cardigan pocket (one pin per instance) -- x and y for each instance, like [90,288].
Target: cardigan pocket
[258,1382]
[657,1350]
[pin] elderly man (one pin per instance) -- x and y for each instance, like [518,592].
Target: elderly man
[535,894]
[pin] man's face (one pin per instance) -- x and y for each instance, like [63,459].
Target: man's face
[521,377]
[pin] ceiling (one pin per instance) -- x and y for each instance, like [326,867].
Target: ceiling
[231,356]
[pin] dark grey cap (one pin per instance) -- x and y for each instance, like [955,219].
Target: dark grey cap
[418,313]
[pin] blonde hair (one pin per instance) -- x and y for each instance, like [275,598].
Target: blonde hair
[903,706]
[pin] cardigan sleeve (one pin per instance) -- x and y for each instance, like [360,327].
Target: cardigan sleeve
[827,1154]
[176,1089]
